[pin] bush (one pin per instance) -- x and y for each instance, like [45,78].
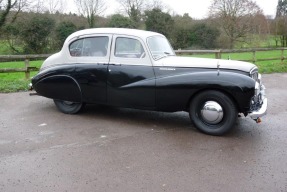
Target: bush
[35,34]
[120,21]
[197,36]
[160,22]
[203,36]
[63,30]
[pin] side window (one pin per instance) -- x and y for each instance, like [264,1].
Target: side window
[129,48]
[76,48]
[89,47]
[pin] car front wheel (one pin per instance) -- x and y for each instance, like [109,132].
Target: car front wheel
[213,112]
[68,107]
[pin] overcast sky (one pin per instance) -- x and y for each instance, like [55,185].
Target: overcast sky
[197,8]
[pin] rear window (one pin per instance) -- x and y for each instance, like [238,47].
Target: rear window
[89,47]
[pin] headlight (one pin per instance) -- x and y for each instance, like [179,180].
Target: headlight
[254,74]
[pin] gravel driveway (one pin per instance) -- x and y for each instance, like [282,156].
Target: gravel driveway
[110,149]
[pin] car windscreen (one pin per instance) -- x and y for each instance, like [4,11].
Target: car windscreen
[159,47]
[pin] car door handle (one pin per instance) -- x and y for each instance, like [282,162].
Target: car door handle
[115,64]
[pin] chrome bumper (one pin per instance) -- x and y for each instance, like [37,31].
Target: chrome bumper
[261,112]
[30,87]
[259,98]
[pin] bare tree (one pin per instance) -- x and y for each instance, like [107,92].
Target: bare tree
[158,4]
[91,9]
[14,6]
[129,5]
[134,9]
[9,12]
[5,8]
[21,5]
[281,22]
[281,30]
[51,6]
[54,6]
[236,17]
[38,6]
[281,8]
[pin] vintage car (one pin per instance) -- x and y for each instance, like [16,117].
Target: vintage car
[139,69]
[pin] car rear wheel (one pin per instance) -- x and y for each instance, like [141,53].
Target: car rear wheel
[213,112]
[68,107]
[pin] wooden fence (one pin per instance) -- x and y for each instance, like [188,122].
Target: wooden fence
[26,58]
[217,54]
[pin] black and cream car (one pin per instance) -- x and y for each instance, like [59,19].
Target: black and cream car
[139,69]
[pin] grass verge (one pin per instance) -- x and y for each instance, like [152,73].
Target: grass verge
[275,66]
[15,82]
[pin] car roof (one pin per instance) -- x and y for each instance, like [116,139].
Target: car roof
[115,31]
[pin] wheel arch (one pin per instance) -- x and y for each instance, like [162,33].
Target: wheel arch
[61,87]
[224,91]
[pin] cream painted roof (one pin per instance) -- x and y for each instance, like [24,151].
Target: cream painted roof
[115,31]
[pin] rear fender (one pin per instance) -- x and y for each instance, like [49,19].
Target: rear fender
[62,87]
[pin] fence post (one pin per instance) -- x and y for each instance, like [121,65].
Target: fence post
[254,57]
[282,56]
[218,54]
[27,72]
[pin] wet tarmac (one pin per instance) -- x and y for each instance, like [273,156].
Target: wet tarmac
[110,149]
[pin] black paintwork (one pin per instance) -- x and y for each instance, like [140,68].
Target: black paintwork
[58,83]
[131,86]
[176,88]
[93,82]
[143,87]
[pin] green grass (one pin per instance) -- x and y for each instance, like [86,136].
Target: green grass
[264,66]
[4,48]
[14,82]
[255,40]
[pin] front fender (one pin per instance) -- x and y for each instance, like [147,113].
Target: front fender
[177,90]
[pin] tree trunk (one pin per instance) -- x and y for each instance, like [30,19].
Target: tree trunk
[4,14]
[91,20]
[231,46]
[283,40]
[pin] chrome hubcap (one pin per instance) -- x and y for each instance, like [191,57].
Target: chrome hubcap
[212,112]
[68,102]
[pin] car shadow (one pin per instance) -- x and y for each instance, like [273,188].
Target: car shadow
[172,128]
[158,120]
[169,120]
[244,128]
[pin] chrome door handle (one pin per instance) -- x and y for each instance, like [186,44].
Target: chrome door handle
[115,64]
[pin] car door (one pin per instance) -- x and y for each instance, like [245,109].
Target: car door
[131,78]
[92,55]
